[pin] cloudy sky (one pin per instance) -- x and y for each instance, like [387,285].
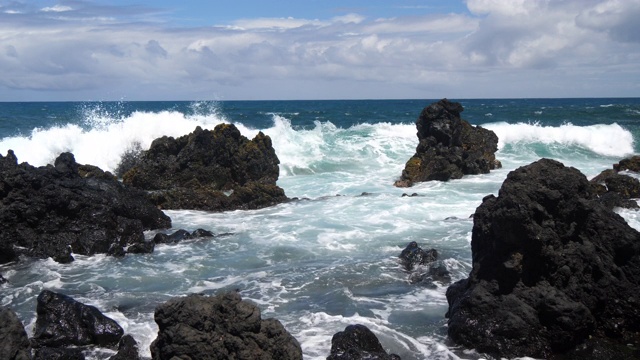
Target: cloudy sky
[317,49]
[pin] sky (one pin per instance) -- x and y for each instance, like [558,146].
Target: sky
[99,50]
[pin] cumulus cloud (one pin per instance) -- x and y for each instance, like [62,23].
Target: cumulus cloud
[499,48]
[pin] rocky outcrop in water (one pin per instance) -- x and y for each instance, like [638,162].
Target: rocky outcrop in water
[449,147]
[127,349]
[215,170]
[616,189]
[357,342]
[219,327]
[52,211]
[554,272]
[14,343]
[63,322]
[423,265]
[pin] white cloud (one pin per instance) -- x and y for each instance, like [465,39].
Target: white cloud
[551,46]
[57,8]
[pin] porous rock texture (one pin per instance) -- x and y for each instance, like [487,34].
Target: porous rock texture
[555,272]
[618,187]
[212,170]
[449,147]
[52,211]
[219,327]
[357,342]
[14,343]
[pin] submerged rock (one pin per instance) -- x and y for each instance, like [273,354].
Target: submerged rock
[215,170]
[62,322]
[449,147]
[424,266]
[554,271]
[53,211]
[219,327]
[14,343]
[357,342]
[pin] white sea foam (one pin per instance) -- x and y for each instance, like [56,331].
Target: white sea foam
[607,140]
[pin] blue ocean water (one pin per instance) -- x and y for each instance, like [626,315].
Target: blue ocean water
[319,264]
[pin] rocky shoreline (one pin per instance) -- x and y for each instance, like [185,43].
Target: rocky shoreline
[556,271]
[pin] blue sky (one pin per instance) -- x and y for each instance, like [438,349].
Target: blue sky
[317,49]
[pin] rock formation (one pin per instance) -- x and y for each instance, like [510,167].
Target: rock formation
[357,342]
[63,322]
[423,266]
[617,189]
[449,147]
[53,211]
[14,343]
[554,271]
[209,170]
[219,327]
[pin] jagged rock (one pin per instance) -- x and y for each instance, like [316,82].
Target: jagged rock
[357,342]
[424,265]
[449,147]
[127,349]
[47,353]
[145,247]
[180,235]
[53,211]
[62,321]
[615,189]
[14,343]
[215,170]
[219,327]
[554,271]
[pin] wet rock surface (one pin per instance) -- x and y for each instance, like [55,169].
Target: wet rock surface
[617,187]
[53,211]
[212,170]
[14,343]
[357,342]
[219,327]
[555,272]
[63,321]
[449,147]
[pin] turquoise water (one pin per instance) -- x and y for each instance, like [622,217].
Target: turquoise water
[325,262]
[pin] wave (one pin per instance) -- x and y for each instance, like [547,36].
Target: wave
[602,139]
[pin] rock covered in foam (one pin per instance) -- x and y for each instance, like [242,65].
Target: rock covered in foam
[554,271]
[209,170]
[52,211]
[449,147]
[219,327]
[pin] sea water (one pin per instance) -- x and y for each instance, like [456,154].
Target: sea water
[329,259]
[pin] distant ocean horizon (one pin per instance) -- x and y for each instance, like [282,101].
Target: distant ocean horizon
[320,264]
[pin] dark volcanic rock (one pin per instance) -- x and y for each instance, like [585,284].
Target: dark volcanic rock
[357,342]
[209,170]
[423,265]
[554,271]
[449,147]
[219,327]
[180,235]
[62,321]
[127,349]
[617,190]
[53,211]
[14,343]
[47,353]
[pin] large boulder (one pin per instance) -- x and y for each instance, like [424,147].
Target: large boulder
[209,170]
[449,147]
[62,321]
[14,343]
[617,187]
[219,327]
[52,211]
[357,342]
[554,271]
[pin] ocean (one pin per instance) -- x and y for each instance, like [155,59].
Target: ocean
[330,259]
